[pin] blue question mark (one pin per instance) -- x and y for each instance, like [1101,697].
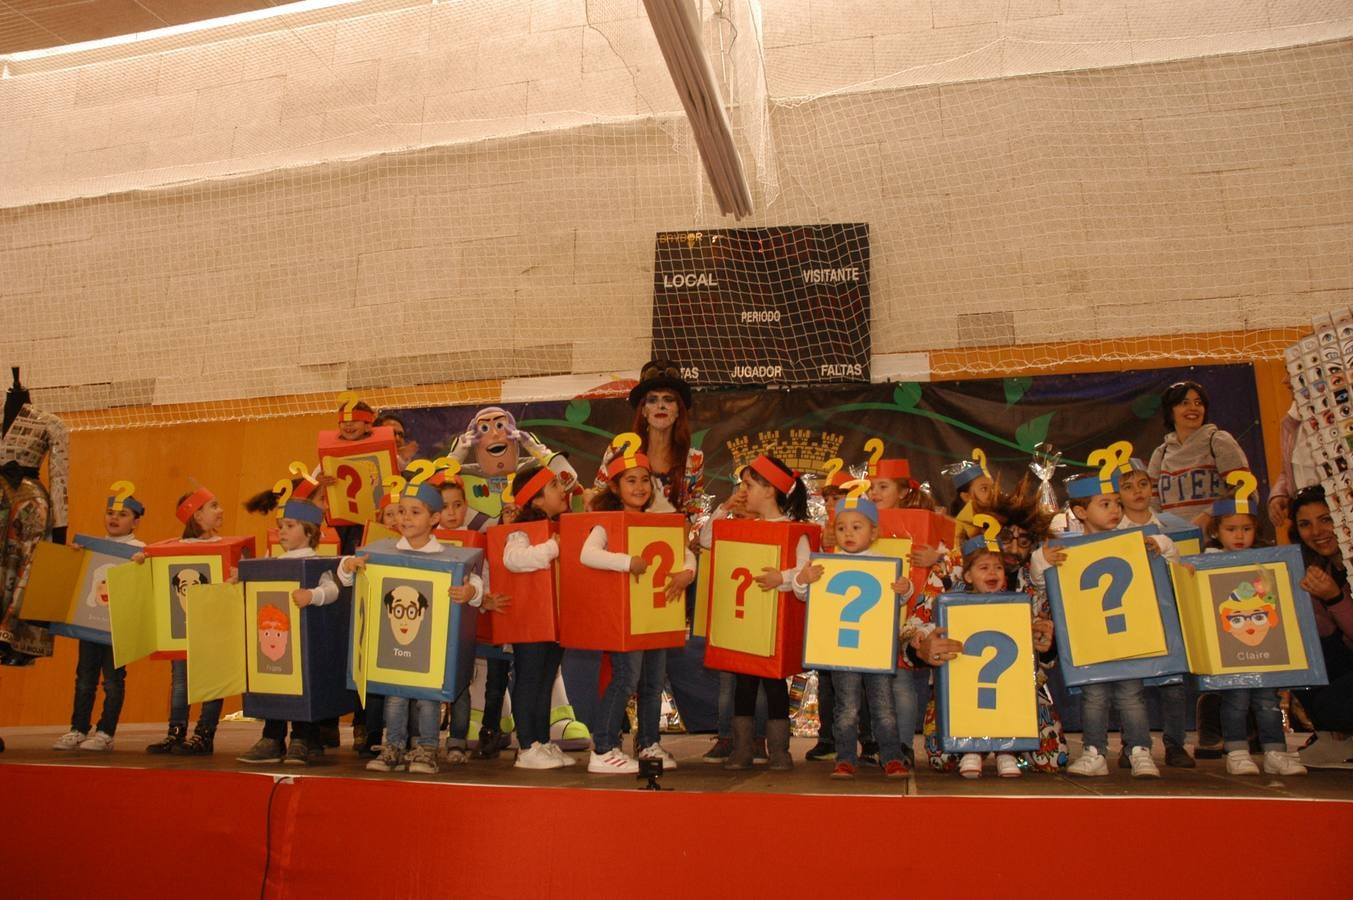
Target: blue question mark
[1119,571]
[1006,654]
[868,597]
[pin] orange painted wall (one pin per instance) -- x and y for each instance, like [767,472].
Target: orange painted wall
[236,459]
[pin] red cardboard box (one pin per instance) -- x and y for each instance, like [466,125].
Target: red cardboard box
[534,613]
[751,631]
[606,610]
[229,550]
[360,467]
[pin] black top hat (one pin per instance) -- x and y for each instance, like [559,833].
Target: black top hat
[656,375]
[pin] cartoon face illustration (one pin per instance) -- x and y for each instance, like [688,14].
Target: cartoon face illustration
[494,450]
[404,608]
[181,578]
[98,590]
[184,579]
[274,632]
[1248,614]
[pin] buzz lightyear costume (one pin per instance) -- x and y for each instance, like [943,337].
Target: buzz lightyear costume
[489,453]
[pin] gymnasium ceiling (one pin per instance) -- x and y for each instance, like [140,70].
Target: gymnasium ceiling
[39,24]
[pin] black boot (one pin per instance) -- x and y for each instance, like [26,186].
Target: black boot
[488,744]
[171,740]
[200,744]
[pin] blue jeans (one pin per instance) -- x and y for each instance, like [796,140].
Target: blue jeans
[426,712]
[1267,719]
[1173,701]
[727,686]
[848,687]
[97,659]
[1127,696]
[536,663]
[652,677]
[624,679]
[460,720]
[495,687]
[178,700]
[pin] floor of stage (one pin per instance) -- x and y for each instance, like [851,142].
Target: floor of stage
[32,746]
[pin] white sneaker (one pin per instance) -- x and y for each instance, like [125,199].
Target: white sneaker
[656,751]
[612,762]
[1143,766]
[69,741]
[558,753]
[536,756]
[970,766]
[1238,762]
[99,740]
[1278,762]
[1007,766]
[1090,764]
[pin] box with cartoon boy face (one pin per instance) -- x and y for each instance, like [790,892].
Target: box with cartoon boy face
[295,658]
[754,631]
[408,638]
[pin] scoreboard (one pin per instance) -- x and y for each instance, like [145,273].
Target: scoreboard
[785,305]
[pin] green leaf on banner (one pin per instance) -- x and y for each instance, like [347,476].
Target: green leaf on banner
[1015,388]
[1033,432]
[578,411]
[698,439]
[907,394]
[1146,406]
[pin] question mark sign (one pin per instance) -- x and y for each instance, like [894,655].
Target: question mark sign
[394,486]
[121,491]
[830,468]
[1244,482]
[422,470]
[660,559]
[874,447]
[991,529]
[352,480]
[628,443]
[1119,571]
[744,575]
[992,670]
[283,490]
[349,400]
[450,468]
[300,470]
[868,593]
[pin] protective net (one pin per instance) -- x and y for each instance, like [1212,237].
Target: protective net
[421,199]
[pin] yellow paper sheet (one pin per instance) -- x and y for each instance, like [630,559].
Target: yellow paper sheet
[131,609]
[215,641]
[1014,713]
[743,616]
[650,613]
[852,614]
[52,581]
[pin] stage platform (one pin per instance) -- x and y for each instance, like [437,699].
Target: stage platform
[134,824]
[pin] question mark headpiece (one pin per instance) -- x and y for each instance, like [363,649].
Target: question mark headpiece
[965,472]
[389,492]
[122,498]
[989,539]
[1112,461]
[348,411]
[1242,503]
[629,457]
[856,500]
[420,486]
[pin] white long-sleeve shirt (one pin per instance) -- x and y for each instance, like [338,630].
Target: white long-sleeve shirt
[131,540]
[521,556]
[326,591]
[432,546]
[788,577]
[595,555]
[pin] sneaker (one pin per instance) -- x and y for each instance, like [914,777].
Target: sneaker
[1324,750]
[1007,766]
[455,756]
[537,756]
[612,762]
[1279,762]
[423,760]
[869,753]
[843,770]
[265,751]
[69,741]
[1142,764]
[822,751]
[391,759]
[722,749]
[1176,757]
[558,753]
[759,754]
[896,768]
[99,740]
[1238,762]
[298,753]
[970,766]
[656,751]
[1090,764]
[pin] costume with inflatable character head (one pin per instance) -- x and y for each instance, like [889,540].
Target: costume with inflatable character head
[490,453]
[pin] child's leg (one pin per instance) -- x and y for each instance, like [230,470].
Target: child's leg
[460,721]
[210,715]
[529,662]
[727,689]
[777,698]
[275,730]
[86,684]
[1131,700]
[429,722]
[554,656]
[847,725]
[495,687]
[624,678]
[1268,719]
[114,690]
[397,722]
[1172,700]
[375,718]
[777,723]
[1095,716]
[899,695]
[178,692]
[652,679]
[826,708]
[1235,707]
